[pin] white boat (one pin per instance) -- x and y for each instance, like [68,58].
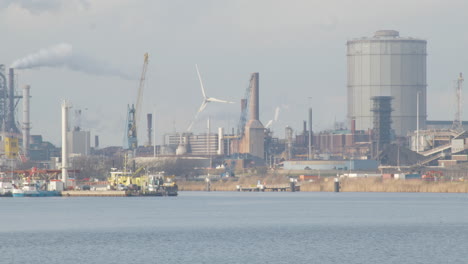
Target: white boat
[6,187]
[30,189]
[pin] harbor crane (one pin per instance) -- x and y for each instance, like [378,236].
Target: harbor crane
[133,112]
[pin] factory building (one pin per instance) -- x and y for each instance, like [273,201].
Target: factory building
[387,65]
[201,144]
[204,144]
[79,142]
[42,151]
[346,165]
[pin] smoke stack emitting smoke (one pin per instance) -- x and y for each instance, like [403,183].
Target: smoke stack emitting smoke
[62,55]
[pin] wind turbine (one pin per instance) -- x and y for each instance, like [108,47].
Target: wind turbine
[206,99]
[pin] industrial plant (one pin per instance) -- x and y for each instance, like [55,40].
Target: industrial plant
[387,130]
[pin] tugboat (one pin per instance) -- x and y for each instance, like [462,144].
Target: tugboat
[146,185]
[170,186]
[158,185]
[30,189]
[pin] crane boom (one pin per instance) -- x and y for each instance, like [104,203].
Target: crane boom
[140,90]
[133,112]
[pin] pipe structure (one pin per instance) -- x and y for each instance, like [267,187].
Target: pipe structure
[417,122]
[26,120]
[220,141]
[65,106]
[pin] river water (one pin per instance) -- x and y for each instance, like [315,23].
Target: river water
[232,227]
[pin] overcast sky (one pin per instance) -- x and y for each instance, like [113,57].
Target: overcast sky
[297,46]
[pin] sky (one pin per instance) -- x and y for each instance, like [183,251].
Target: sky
[297,46]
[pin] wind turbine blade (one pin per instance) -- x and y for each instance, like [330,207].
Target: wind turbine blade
[202,107]
[201,83]
[190,126]
[211,99]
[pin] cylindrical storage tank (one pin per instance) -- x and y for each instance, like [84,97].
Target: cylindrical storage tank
[387,65]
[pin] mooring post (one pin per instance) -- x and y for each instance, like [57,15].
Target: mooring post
[208,184]
[292,184]
[337,184]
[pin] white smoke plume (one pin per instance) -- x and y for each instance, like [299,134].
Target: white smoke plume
[62,55]
[277,111]
[275,119]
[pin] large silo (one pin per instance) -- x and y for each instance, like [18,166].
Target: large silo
[387,65]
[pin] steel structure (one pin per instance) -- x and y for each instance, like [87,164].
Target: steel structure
[387,65]
[457,123]
[245,109]
[133,112]
[10,123]
[3,97]
[26,121]
[382,110]
[131,136]
[7,102]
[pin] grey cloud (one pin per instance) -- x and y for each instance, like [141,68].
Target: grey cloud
[40,6]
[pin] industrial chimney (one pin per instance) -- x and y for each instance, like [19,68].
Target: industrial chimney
[253,140]
[65,106]
[254,93]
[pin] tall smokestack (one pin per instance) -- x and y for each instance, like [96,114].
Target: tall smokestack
[149,120]
[254,97]
[310,133]
[253,140]
[96,141]
[26,123]
[65,106]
